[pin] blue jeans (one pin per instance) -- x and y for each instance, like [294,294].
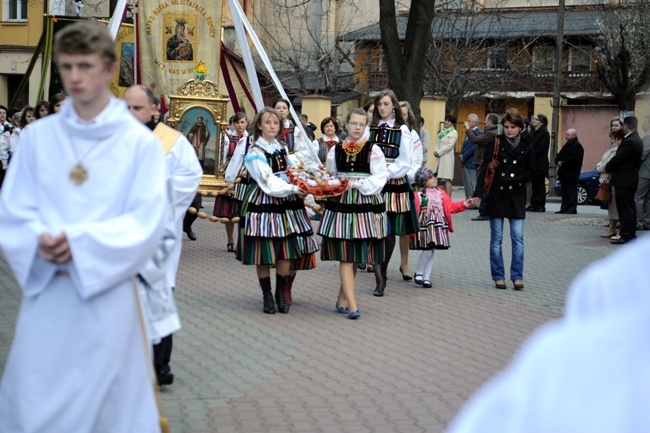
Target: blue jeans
[496,255]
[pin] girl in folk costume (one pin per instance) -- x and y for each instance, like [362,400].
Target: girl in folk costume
[225,205]
[436,209]
[288,129]
[354,224]
[329,127]
[393,137]
[276,228]
[301,154]
[416,162]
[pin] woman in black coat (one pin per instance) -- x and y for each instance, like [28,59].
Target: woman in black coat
[507,198]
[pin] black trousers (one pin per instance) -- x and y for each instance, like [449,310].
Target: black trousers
[162,353]
[538,198]
[626,211]
[189,218]
[569,197]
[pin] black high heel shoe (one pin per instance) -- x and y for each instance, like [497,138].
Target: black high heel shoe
[406,277]
[500,286]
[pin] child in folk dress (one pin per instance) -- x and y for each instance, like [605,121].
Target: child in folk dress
[436,208]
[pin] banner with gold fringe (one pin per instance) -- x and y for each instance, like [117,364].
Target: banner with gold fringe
[178,40]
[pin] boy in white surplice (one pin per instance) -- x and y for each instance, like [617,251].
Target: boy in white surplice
[82,209]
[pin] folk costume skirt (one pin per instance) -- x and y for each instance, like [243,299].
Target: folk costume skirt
[353,228]
[226,206]
[400,207]
[275,228]
[434,231]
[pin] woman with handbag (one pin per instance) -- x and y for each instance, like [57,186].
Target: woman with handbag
[512,164]
[616,136]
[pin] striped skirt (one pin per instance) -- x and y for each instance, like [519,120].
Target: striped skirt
[273,229]
[241,190]
[400,207]
[434,231]
[353,228]
[225,206]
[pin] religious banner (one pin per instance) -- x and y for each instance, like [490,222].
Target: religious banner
[125,50]
[178,40]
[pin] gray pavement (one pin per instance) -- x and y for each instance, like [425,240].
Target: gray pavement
[407,365]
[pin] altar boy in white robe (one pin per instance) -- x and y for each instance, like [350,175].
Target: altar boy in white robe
[184,171]
[81,212]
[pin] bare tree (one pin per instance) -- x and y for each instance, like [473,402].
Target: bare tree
[623,51]
[406,62]
[471,55]
[300,37]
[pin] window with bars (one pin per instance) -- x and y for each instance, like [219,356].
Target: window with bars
[14,10]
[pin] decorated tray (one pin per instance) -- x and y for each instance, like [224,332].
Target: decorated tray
[320,186]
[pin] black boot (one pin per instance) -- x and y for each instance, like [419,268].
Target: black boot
[269,305]
[380,279]
[280,295]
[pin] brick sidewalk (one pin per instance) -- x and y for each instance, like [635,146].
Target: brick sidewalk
[407,365]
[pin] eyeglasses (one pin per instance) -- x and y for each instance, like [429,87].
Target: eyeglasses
[355,124]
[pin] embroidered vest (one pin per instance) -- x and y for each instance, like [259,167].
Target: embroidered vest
[357,164]
[388,140]
[286,136]
[278,160]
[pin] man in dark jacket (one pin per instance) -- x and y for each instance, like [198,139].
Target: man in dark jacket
[569,164]
[482,141]
[541,140]
[624,170]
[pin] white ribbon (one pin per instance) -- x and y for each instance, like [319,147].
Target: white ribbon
[116,19]
[236,9]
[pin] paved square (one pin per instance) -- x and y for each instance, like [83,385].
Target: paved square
[407,365]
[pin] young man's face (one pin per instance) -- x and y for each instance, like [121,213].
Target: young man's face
[3,115]
[85,76]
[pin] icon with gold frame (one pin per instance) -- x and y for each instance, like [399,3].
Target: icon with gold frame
[198,111]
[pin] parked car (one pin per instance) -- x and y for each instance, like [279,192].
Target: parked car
[588,185]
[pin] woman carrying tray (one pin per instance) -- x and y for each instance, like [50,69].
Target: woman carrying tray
[354,224]
[393,137]
[276,228]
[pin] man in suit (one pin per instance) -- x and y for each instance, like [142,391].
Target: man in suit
[482,141]
[642,196]
[569,164]
[541,141]
[624,170]
[466,157]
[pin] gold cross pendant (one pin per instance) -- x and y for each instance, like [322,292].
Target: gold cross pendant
[78,174]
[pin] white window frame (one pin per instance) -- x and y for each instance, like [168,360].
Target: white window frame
[549,55]
[585,50]
[19,6]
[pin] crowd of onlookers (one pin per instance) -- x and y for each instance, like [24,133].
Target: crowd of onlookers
[13,121]
[625,174]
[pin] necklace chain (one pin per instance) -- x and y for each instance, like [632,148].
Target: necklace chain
[78,175]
